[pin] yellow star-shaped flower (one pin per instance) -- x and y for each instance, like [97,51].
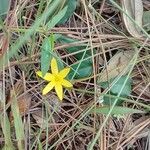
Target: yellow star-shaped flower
[56,79]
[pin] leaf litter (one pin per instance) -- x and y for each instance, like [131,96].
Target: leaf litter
[44,121]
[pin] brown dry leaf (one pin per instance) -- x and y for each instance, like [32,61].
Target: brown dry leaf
[133,9]
[116,65]
[24,101]
[39,117]
[55,103]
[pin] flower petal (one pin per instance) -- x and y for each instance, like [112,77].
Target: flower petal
[48,88]
[63,73]
[66,83]
[54,67]
[59,91]
[47,77]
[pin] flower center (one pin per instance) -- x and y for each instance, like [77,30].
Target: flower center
[58,78]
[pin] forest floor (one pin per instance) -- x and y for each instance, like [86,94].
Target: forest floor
[75,75]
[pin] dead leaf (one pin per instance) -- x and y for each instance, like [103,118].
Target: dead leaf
[55,103]
[116,65]
[39,117]
[24,101]
[133,9]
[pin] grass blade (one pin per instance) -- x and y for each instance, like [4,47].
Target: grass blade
[19,127]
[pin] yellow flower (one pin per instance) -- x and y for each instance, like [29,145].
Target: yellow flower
[56,79]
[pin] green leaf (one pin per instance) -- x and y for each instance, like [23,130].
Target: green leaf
[70,10]
[4,6]
[59,62]
[55,19]
[146,20]
[82,70]
[86,53]
[116,87]
[39,145]
[46,54]
[5,124]
[109,100]
[117,110]
[19,127]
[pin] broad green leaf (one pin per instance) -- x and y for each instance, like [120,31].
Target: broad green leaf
[116,89]
[70,10]
[46,54]
[146,20]
[118,110]
[86,53]
[109,100]
[4,6]
[118,85]
[82,70]
[55,19]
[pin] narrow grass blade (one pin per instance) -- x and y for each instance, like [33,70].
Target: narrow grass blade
[117,110]
[7,133]
[19,128]
[22,39]
[57,18]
